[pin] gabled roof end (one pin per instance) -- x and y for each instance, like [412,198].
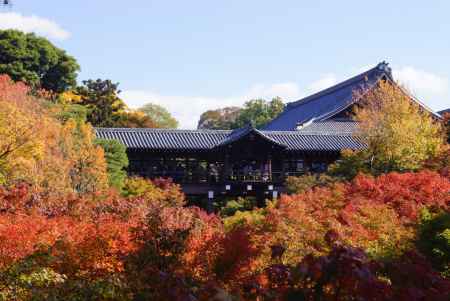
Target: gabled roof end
[384,67]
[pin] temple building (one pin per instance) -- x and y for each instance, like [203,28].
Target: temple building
[306,137]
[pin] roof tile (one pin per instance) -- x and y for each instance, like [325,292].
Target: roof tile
[322,136]
[326,103]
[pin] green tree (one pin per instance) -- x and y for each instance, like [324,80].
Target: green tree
[64,112]
[101,97]
[259,112]
[116,160]
[105,107]
[34,60]
[220,119]
[160,116]
[434,239]
[133,119]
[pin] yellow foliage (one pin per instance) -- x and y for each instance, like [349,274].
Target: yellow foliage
[21,141]
[400,134]
[69,97]
[378,230]
[88,164]
[36,148]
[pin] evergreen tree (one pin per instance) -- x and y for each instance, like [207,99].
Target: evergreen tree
[37,62]
[116,160]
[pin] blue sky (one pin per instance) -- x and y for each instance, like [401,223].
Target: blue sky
[191,56]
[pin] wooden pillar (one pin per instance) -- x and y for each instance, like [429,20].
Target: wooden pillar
[283,169]
[149,167]
[186,171]
[226,169]
[269,167]
[164,166]
[208,171]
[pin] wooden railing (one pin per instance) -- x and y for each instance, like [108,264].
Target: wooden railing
[243,177]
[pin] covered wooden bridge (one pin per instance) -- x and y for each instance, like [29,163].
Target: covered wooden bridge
[246,161]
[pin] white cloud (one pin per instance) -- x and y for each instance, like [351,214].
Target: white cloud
[35,24]
[430,88]
[425,84]
[187,109]
[324,82]
[286,91]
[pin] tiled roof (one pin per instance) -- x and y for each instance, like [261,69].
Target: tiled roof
[329,102]
[296,141]
[164,139]
[444,112]
[330,128]
[324,136]
[244,131]
[326,104]
[327,136]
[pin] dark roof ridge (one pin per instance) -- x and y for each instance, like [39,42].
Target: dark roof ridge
[162,130]
[381,67]
[444,111]
[242,132]
[263,135]
[315,133]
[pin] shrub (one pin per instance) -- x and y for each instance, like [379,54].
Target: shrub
[434,239]
[350,164]
[347,273]
[176,247]
[440,162]
[302,183]
[413,278]
[376,214]
[344,274]
[407,193]
[376,228]
[162,191]
[240,204]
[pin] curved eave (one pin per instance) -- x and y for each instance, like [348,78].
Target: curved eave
[247,131]
[174,141]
